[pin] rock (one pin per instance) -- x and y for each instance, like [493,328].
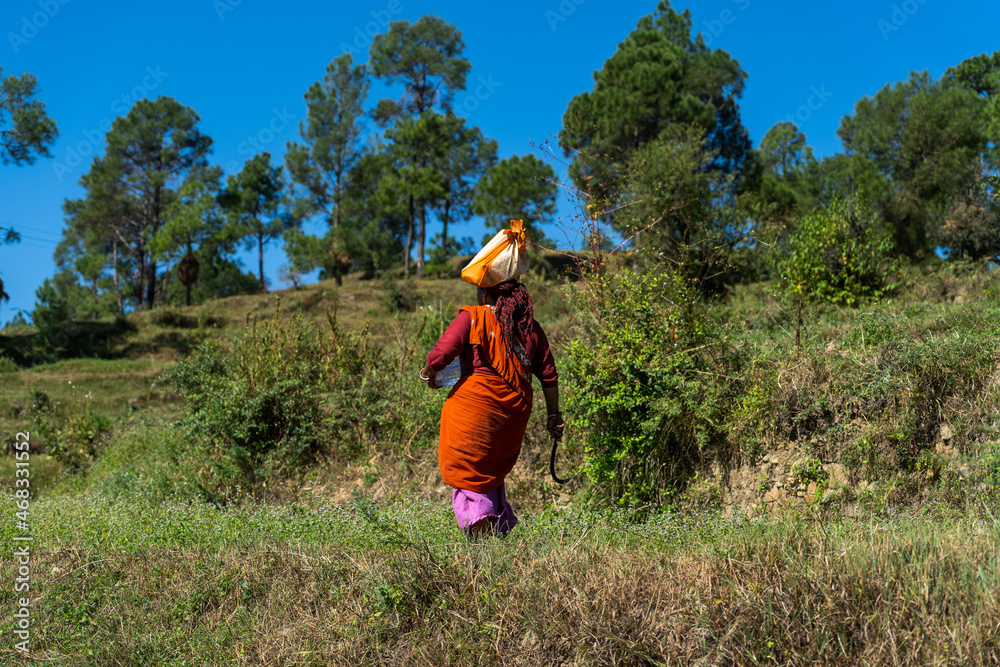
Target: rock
[811,491]
[945,433]
[832,496]
[771,496]
[837,473]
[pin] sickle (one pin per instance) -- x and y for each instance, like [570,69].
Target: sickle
[552,463]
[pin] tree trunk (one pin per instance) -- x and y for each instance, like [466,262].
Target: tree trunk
[336,201]
[444,226]
[260,260]
[421,232]
[140,254]
[114,274]
[151,284]
[166,281]
[151,276]
[409,241]
[187,285]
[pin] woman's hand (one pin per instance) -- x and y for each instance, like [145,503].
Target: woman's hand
[427,375]
[555,425]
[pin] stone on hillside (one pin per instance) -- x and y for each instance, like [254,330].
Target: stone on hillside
[832,496]
[837,473]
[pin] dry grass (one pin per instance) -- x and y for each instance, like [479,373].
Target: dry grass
[129,570]
[319,586]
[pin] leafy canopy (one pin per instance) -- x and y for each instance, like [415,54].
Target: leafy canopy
[517,188]
[426,57]
[841,253]
[659,76]
[25,131]
[927,138]
[332,135]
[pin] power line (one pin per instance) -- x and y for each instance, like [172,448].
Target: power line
[16,226]
[35,238]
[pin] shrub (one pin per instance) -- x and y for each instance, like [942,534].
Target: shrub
[74,440]
[284,393]
[839,254]
[257,404]
[78,440]
[642,382]
[400,296]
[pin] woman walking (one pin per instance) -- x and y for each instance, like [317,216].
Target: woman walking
[500,346]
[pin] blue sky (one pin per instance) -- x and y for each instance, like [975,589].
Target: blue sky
[244,65]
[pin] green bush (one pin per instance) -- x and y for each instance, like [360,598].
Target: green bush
[285,393]
[839,254]
[77,442]
[400,296]
[643,382]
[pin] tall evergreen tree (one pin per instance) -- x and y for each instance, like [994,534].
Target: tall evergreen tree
[787,182]
[380,213]
[252,200]
[25,132]
[927,138]
[426,57]
[150,152]
[466,157]
[193,218]
[332,135]
[658,77]
[517,188]
[415,145]
[106,223]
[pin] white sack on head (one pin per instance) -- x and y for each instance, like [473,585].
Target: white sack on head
[502,259]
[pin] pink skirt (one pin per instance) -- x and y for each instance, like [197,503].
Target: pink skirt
[471,507]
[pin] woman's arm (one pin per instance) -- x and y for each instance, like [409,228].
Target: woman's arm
[554,423]
[449,346]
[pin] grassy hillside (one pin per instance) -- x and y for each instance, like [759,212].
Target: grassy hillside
[841,508]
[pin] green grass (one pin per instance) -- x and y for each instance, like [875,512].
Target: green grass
[131,565]
[131,582]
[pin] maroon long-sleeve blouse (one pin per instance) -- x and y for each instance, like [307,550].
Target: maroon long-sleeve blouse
[454,342]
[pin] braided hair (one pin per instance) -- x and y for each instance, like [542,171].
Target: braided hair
[514,314]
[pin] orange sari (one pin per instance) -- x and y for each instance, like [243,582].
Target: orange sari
[485,416]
